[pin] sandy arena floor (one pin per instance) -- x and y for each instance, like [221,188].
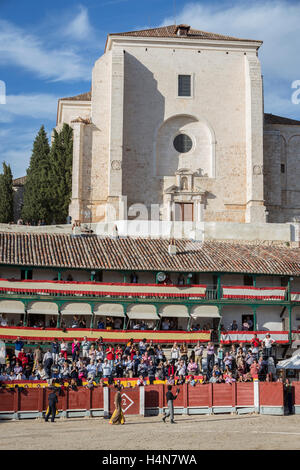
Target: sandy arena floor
[191,432]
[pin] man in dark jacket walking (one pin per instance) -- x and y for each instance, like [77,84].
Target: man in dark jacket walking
[52,401]
[170,399]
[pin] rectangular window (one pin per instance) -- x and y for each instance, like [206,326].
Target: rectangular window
[184,85]
[26,274]
[248,280]
[282,166]
[284,281]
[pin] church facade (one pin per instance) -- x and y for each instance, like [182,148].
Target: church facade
[174,129]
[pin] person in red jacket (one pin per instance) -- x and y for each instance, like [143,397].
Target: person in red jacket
[255,343]
[171,369]
[110,355]
[119,352]
[23,358]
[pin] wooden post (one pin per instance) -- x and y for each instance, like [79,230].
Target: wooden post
[16,403]
[161,392]
[219,288]
[210,398]
[234,396]
[185,399]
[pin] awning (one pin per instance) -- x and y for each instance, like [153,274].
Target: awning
[178,311]
[76,308]
[142,312]
[110,310]
[11,306]
[290,363]
[44,308]
[205,311]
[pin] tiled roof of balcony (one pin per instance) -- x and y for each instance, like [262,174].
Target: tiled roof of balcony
[94,252]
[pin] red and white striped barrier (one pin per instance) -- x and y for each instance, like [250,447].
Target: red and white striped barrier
[295,296]
[101,289]
[250,292]
[229,337]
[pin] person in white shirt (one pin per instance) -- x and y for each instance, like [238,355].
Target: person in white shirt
[199,355]
[106,369]
[3,320]
[64,349]
[85,347]
[267,344]
[181,368]
[175,351]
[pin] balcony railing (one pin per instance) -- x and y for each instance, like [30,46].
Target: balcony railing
[143,291]
[211,293]
[254,293]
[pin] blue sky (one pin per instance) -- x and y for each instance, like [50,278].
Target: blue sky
[47,51]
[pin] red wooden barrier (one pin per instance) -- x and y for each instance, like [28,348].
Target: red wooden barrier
[197,399]
[7,399]
[130,400]
[223,395]
[244,394]
[198,396]
[97,398]
[29,400]
[154,396]
[296,386]
[271,394]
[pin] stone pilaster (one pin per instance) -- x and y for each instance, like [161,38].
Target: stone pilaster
[116,125]
[75,209]
[255,209]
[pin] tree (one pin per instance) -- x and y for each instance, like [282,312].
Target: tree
[37,187]
[6,195]
[61,158]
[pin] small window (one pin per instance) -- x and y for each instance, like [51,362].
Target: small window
[184,85]
[26,274]
[282,166]
[182,143]
[248,280]
[284,280]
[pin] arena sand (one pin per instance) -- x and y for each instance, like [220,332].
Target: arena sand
[255,432]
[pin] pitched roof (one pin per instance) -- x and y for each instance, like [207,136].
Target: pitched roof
[82,97]
[273,119]
[171,32]
[19,181]
[94,252]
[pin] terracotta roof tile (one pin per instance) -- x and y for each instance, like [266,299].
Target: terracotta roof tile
[273,119]
[171,32]
[82,97]
[93,252]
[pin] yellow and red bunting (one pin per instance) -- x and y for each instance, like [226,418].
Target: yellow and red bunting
[109,336]
[44,384]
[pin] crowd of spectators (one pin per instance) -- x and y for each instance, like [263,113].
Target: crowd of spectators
[88,361]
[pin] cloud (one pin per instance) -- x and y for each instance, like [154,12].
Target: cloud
[18,127]
[16,147]
[35,105]
[80,28]
[18,48]
[274,22]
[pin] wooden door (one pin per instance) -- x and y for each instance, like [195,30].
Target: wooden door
[184,212]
